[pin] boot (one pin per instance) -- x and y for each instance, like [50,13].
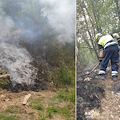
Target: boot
[115,79]
[101,77]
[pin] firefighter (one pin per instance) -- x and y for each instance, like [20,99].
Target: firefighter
[108,50]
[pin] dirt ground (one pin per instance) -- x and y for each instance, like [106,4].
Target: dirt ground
[110,104]
[15,100]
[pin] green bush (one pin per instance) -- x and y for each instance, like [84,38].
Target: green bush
[2,83]
[65,75]
[56,76]
[43,70]
[62,76]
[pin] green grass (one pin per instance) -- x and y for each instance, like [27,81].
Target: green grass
[11,113]
[71,106]
[11,117]
[66,95]
[67,112]
[11,110]
[50,111]
[6,115]
[38,102]
[35,103]
[37,106]
[63,95]
[41,116]
[39,95]
[63,111]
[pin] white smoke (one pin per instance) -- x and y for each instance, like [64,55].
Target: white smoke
[15,59]
[6,25]
[61,15]
[17,62]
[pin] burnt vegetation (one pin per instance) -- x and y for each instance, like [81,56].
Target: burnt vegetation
[91,92]
[89,95]
[50,55]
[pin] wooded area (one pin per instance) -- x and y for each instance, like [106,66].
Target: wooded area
[92,17]
[52,54]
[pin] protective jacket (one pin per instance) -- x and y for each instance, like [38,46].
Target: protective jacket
[107,43]
[111,52]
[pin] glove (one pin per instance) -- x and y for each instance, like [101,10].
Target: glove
[118,39]
[100,59]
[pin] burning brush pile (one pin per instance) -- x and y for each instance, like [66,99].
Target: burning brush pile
[20,70]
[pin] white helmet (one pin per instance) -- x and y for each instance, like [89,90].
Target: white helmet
[98,35]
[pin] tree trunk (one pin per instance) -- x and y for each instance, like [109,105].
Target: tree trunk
[87,26]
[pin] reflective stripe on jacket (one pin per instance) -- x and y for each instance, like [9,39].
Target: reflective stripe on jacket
[106,41]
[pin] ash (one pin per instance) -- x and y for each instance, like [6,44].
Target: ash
[89,94]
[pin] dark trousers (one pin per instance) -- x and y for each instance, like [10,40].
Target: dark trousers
[112,55]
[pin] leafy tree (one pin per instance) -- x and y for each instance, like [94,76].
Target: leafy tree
[95,16]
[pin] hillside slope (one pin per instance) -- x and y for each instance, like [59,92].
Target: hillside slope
[101,99]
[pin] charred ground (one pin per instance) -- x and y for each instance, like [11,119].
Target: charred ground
[97,99]
[6,83]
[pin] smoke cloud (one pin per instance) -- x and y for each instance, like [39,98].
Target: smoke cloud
[61,15]
[14,26]
[17,62]
[6,25]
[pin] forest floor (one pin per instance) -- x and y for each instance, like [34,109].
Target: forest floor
[100,102]
[42,105]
